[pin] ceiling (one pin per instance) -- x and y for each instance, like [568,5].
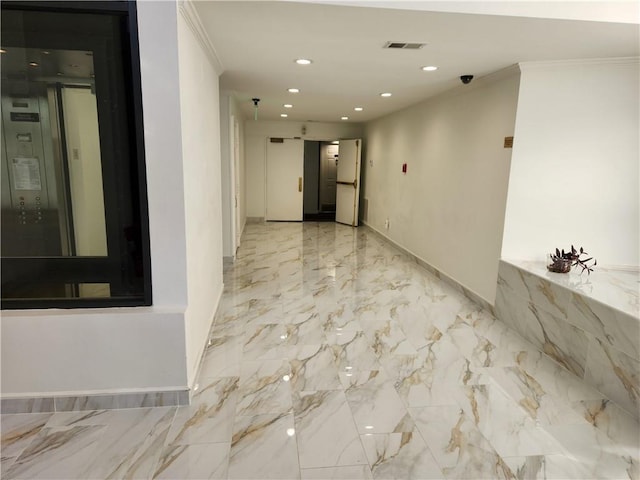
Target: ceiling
[257,43]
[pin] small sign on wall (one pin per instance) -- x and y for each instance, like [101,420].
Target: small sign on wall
[508,142]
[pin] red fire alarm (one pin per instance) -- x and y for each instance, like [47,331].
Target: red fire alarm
[404,168]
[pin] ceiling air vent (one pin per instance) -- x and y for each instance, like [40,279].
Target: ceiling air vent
[404,45]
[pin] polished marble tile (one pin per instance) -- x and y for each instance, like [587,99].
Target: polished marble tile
[375,403]
[222,357]
[194,462]
[209,418]
[264,447]
[58,453]
[264,387]
[355,472]
[459,448]
[400,456]
[333,355]
[131,444]
[19,430]
[619,426]
[325,430]
[510,429]
[313,367]
[596,453]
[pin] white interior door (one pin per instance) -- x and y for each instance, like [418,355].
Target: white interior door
[285,167]
[348,183]
[238,207]
[233,208]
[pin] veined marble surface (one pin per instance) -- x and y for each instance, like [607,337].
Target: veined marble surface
[619,289]
[334,356]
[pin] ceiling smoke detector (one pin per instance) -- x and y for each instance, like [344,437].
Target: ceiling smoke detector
[404,45]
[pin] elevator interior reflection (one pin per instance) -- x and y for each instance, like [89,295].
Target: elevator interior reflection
[52,183]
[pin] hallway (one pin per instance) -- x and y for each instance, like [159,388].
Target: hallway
[334,356]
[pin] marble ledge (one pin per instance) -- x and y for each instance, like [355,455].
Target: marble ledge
[78,403]
[618,289]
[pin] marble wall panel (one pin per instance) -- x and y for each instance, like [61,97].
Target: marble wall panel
[613,327]
[596,342]
[553,335]
[540,291]
[615,374]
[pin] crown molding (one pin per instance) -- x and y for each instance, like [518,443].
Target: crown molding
[579,63]
[191,16]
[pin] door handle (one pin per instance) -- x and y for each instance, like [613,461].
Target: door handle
[354,184]
[299,184]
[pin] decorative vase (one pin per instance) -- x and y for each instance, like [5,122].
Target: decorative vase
[560,265]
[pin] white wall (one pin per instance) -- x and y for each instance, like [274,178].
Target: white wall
[226,178]
[449,208]
[229,111]
[574,174]
[83,351]
[200,113]
[256,134]
[87,351]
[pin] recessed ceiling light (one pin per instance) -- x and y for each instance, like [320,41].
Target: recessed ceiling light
[59,74]
[293,90]
[303,61]
[344,118]
[33,64]
[386,94]
[46,52]
[358,109]
[287,105]
[284,115]
[429,68]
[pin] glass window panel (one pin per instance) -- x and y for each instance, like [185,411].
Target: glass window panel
[74,225]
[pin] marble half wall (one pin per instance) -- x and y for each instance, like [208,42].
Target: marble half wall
[589,325]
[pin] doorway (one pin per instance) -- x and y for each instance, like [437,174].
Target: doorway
[320,180]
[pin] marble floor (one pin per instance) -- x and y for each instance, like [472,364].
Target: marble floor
[335,357]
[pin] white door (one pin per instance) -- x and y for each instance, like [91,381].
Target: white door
[285,166]
[348,184]
[234,191]
[236,179]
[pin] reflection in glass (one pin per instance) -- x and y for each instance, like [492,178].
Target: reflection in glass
[52,194]
[74,219]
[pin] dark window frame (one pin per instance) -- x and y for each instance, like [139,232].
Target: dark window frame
[99,269]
